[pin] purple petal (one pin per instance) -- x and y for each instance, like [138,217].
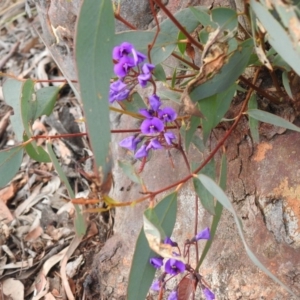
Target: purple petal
[122,68]
[142,152]
[138,57]
[167,114]
[118,91]
[122,50]
[209,295]
[152,126]
[168,241]
[169,137]
[203,235]
[147,68]
[154,144]
[154,102]
[148,113]
[143,79]
[173,296]
[155,286]
[130,142]
[156,262]
[174,267]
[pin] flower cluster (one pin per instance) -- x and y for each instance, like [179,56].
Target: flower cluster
[153,128]
[174,266]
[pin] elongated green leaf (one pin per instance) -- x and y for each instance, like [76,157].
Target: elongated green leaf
[198,142]
[214,108]
[142,273]
[253,123]
[80,225]
[189,134]
[94,44]
[46,98]
[10,161]
[129,170]
[12,90]
[277,36]
[267,117]
[135,104]
[170,95]
[36,152]
[181,46]
[286,84]
[228,74]
[28,106]
[225,18]
[219,194]
[206,198]
[159,73]
[218,212]
[201,13]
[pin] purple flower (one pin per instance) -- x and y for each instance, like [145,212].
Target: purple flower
[203,235]
[148,113]
[173,296]
[118,91]
[168,241]
[154,102]
[152,126]
[123,50]
[130,142]
[155,285]
[147,68]
[154,144]
[167,114]
[174,267]
[123,66]
[156,262]
[169,137]
[142,152]
[209,295]
[138,57]
[143,79]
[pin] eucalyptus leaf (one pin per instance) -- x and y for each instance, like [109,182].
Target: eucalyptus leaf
[225,18]
[10,161]
[190,131]
[267,117]
[277,36]
[129,170]
[253,123]
[46,99]
[141,272]
[219,194]
[286,84]
[94,43]
[12,91]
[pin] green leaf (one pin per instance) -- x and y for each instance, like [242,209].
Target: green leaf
[36,152]
[225,17]
[214,108]
[201,14]
[170,95]
[198,142]
[10,161]
[286,84]
[219,194]
[28,106]
[80,225]
[253,123]
[181,46]
[206,198]
[46,98]
[166,40]
[142,273]
[94,44]
[159,73]
[135,104]
[218,212]
[189,134]
[129,170]
[266,117]
[173,81]
[228,74]
[12,90]
[277,36]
